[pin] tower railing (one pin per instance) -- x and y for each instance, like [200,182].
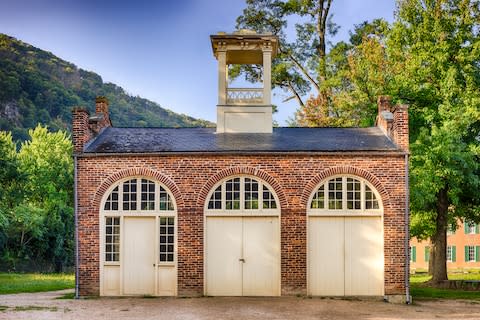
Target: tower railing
[245,96]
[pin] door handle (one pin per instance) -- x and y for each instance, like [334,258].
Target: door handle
[241,260]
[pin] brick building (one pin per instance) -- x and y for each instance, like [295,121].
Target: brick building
[244,209]
[463,249]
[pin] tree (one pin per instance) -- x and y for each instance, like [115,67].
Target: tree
[10,182]
[434,49]
[301,65]
[47,162]
[357,73]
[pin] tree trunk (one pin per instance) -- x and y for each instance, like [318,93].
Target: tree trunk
[439,239]
[322,16]
[430,261]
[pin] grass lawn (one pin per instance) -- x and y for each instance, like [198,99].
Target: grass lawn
[35,282]
[420,290]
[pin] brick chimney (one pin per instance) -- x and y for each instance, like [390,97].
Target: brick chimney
[86,127]
[400,126]
[81,132]
[393,120]
[101,118]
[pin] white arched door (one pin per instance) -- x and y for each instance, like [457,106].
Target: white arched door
[138,236]
[345,239]
[242,239]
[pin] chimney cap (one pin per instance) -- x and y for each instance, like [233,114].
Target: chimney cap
[101,99]
[79,109]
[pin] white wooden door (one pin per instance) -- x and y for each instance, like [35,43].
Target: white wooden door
[223,254]
[261,252]
[139,256]
[363,256]
[325,256]
[242,256]
[345,256]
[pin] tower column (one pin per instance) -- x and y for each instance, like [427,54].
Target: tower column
[267,74]
[222,75]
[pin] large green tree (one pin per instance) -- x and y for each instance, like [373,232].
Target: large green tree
[46,161]
[335,87]
[434,50]
[36,201]
[10,184]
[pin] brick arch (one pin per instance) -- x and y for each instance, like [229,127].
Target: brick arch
[212,181]
[145,172]
[372,179]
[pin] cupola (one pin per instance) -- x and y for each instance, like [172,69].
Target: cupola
[244,109]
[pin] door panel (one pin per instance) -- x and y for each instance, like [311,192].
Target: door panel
[363,256]
[223,251]
[139,256]
[326,263]
[261,251]
[111,280]
[345,256]
[167,280]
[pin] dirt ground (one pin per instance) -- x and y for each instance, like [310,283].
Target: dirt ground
[46,306]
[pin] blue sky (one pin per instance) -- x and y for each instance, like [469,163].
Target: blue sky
[159,50]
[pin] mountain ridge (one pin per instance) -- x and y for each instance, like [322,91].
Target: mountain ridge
[36,86]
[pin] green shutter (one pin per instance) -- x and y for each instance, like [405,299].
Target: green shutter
[454,253]
[477,253]
[466,254]
[465,226]
[427,254]
[414,254]
[477,228]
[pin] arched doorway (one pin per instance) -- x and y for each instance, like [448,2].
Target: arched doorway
[138,239]
[345,238]
[242,239]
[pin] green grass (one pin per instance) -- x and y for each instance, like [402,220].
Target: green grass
[35,282]
[419,289]
[66,296]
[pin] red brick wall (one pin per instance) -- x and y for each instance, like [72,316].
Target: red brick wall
[293,178]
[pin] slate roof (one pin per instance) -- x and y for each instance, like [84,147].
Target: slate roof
[185,140]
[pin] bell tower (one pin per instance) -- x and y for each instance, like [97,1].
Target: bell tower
[244,109]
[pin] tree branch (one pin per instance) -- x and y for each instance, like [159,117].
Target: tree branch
[302,69]
[296,95]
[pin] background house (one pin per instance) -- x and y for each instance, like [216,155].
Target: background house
[463,249]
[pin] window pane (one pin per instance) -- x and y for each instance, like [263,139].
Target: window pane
[232,194]
[353,194]
[130,195]
[112,200]
[268,199]
[335,194]
[148,195]
[167,243]
[165,201]
[371,201]
[215,201]
[112,239]
[318,201]
[251,194]
[449,253]
[471,253]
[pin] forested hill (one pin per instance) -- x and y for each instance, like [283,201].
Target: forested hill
[38,87]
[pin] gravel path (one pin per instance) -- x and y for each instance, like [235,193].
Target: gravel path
[46,306]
